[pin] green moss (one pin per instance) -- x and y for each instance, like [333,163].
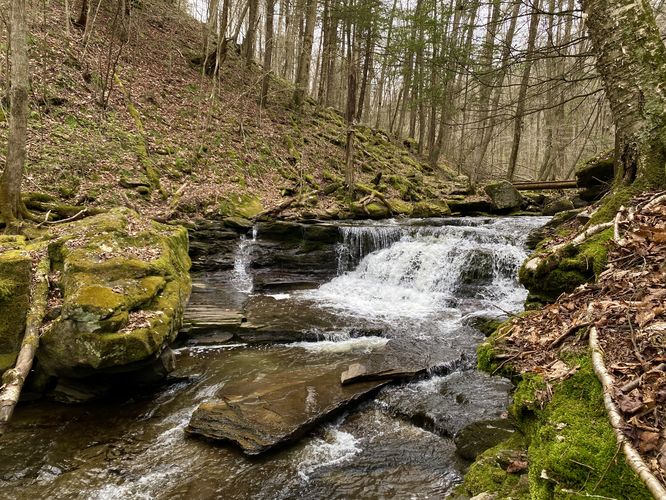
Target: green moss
[565,270]
[241,205]
[611,203]
[485,357]
[573,448]
[488,472]
[119,264]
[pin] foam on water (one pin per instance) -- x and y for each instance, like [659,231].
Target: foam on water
[337,447]
[358,344]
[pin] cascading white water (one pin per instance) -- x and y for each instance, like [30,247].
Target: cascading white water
[416,271]
[359,241]
[242,278]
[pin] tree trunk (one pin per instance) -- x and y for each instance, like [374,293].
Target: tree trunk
[303,75]
[12,176]
[631,59]
[522,93]
[250,39]
[268,53]
[351,111]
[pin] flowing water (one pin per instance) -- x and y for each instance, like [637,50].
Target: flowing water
[416,283]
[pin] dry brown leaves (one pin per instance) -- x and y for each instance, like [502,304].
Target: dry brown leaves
[627,306]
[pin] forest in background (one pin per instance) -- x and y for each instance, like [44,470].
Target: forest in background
[498,89]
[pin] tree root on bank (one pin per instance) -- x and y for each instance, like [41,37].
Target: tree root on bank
[632,456]
[14,378]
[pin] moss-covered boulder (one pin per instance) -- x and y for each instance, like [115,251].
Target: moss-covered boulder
[430,209]
[547,275]
[504,196]
[124,282]
[559,205]
[241,205]
[596,171]
[15,277]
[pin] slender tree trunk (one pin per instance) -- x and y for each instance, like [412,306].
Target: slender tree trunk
[250,39]
[382,76]
[12,175]
[367,63]
[522,93]
[268,52]
[303,75]
[351,111]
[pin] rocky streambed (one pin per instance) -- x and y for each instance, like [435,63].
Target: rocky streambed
[277,320]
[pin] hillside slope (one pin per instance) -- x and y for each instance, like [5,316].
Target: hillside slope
[159,137]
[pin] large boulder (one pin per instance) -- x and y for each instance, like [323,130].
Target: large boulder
[504,196]
[125,283]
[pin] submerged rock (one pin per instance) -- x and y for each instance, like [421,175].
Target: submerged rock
[125,284]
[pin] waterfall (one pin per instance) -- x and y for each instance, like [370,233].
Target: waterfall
[412,271]
[359,241]
[242,277]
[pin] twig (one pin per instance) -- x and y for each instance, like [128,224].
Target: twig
[568,332]
[632,384]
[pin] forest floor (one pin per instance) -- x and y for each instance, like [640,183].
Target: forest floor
[626,310]
[121,116]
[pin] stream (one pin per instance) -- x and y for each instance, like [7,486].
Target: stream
[391,294]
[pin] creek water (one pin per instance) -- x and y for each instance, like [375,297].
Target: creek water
[416,284]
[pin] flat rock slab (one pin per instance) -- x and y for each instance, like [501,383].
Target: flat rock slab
[261,417]
[206,318]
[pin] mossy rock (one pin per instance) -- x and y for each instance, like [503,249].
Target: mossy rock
[595,171]
[430,209]
[489,473]
[401,207]
[15,279]
[564,271]
[504,196]
[241,205]
[125,285]
[373,210]
[571,450]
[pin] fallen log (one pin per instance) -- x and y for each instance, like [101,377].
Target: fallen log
[539,185]
[13,379]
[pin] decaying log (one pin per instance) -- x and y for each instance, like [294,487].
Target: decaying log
[13,379]
[529,186]
[632,456]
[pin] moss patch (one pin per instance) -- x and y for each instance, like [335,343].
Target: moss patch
[572,449]
[488,472]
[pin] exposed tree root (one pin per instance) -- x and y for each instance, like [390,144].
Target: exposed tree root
[632,456]
[13,379]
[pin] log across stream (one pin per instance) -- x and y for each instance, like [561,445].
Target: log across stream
[271,332]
